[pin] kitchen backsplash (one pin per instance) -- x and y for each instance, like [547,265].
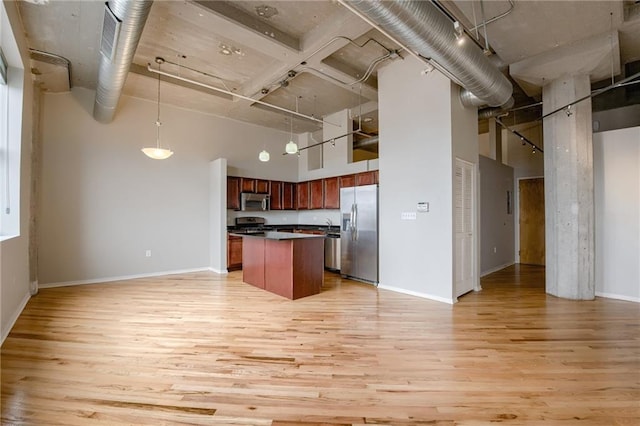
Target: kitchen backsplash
[309,217]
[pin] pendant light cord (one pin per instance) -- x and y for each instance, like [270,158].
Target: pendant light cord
[158,123]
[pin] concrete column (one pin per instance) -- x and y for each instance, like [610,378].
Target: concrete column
[569,205]
[495,140]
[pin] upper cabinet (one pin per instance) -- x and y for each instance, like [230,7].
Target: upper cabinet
[347,181]
[233,193]
[289,196]
[367,178]
[302,190]
[275,195]
[247,185]
[316,194]
[332,193]
[259,186]
[262,186]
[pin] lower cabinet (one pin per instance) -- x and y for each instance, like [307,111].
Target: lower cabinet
[234,253]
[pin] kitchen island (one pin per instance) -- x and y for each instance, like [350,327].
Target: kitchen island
[285,263]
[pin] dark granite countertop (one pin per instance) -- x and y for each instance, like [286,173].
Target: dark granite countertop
[288,228]
[274,235]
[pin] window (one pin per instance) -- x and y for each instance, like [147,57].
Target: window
[11,106]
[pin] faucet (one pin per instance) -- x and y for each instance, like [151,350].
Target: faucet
[328,222]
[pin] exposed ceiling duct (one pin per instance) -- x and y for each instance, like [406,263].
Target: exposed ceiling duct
[122,28]
[422,27]
[489,112]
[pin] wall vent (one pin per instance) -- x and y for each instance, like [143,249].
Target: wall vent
[110,33]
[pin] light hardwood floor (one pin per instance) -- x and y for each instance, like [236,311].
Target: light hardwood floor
[207,349]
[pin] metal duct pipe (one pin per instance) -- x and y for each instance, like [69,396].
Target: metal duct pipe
[424,29]
[495,111]
[131,16]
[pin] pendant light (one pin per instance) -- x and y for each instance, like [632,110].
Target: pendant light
[291,147]
[263,156]
[156,152]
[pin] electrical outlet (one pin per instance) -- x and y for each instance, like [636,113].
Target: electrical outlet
[147,253]
[495,250]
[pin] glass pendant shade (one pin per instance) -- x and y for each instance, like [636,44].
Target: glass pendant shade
[263,156]
[291,147]
[157,153]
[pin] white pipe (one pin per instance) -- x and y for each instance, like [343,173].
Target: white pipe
[246,98]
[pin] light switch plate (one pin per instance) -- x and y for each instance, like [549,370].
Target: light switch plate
[408,216]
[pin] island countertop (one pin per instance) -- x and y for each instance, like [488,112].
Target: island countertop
[275,235]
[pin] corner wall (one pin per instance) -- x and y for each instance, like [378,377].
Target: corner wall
[416,256]
[616,172]
[497,225]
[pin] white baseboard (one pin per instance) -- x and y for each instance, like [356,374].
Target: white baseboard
[123,277]
[618,297]
[219,271]
[14,317]
[496,269]
[417,294]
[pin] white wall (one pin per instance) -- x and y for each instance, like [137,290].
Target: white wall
[14,252]
[496,224]
[416,256]
[617,213]
[104,203]
[218,215]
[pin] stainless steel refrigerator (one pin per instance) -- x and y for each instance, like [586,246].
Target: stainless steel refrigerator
[359,233]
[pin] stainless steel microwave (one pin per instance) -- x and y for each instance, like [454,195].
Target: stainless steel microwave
[254,202]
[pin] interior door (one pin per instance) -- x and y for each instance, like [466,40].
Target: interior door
[464,196]
[531,206]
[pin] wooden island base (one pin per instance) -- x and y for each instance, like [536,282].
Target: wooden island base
[289,265]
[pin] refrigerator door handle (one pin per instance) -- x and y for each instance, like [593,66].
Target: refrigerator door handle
[351,219]
[355,222]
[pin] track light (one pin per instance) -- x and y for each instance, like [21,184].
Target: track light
[569,113]
[533,151]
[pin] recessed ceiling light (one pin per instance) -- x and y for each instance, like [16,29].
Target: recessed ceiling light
[265,11]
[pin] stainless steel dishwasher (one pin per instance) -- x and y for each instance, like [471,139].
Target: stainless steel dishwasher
[332,252]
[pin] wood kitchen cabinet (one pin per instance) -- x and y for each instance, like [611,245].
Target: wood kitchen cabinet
[254,186]
[233,193]
[302,190]
[332,193]
[347,181]
[289,196]
[247,185]
[367,178]
[234,253]
[275,195]
[262,186]
[316,194]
